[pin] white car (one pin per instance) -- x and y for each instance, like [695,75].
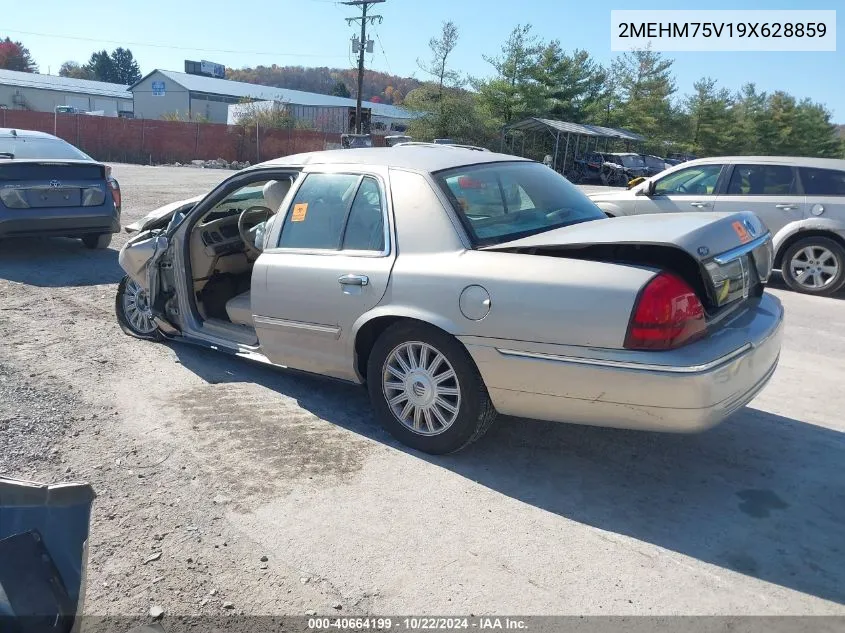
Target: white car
[801,201]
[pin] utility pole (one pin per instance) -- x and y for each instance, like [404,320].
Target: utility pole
[362,46]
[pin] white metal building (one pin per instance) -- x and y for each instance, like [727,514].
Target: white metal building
[42,93]
[164,92]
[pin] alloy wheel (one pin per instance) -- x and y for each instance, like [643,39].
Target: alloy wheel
[814,267]
[136,308]
[421,388]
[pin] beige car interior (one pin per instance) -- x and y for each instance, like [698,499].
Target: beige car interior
[221,263]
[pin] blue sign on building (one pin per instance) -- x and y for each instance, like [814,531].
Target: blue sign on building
[158,89]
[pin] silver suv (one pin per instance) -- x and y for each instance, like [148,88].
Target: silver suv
[801,200]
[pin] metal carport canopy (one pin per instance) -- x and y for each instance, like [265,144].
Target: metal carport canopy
[556,128]
[581,129]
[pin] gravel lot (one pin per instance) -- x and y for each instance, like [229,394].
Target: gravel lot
[225,486]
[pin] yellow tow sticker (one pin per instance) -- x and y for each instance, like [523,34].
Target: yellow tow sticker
[299,212]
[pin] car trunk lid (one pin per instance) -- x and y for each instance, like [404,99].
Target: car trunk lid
[33,184]
[725,257]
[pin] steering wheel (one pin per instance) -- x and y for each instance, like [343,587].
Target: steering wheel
[253,212]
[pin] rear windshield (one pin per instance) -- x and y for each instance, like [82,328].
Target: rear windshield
[47,148]
[500,202]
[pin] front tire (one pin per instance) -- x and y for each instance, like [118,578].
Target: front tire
[426,390]
[97,241]
[130,309]
[815,266]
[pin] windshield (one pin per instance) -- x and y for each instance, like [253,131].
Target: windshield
[632,160]
[654,163]
[500,202]
[38,147]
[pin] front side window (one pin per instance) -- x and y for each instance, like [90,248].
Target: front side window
[698,180]
[762,180]
[823,182]
[499,202]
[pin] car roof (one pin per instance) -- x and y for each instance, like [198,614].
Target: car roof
[415,157]
[803,161]
[9,132]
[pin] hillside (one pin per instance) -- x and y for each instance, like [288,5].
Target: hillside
[377,86]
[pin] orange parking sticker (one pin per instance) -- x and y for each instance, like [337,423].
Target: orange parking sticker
[741,232]
[299,212]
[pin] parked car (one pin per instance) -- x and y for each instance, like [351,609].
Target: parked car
[458,284]
[49,187]
[800,200]
[611,169]
[682,158]
[354,141]
[396,139]
[653,164]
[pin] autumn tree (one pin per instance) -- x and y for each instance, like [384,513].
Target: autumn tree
[16,56]
[75,70]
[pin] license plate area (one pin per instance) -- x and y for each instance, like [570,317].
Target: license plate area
[54,197]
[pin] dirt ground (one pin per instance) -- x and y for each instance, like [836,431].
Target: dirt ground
[228,487]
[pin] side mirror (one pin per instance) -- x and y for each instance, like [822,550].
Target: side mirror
[162,243]
[648,190]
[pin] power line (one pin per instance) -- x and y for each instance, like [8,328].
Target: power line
[168,46]
[386,61]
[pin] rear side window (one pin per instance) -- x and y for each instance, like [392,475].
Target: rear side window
[365,227]
[762,180]
[822,182]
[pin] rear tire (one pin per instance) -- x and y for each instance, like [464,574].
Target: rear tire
[129,306]
[814,266]
[97,242]
[426,390]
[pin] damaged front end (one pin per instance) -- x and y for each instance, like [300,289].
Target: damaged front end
[146,259]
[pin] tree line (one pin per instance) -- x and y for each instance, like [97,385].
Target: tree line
[378,87]
[117,67]
[637,91]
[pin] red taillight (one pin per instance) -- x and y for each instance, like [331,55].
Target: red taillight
[115,192]
[668,315]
